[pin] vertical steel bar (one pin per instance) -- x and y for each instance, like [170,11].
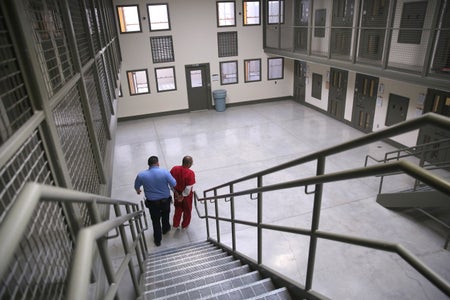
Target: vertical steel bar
[233,224]
[205,204]
[126,248]
[216,206]
[315,224]
[134,236]
[259,220]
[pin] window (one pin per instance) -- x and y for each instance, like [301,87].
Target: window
[275,12]
[162,49]
[226,15]
[138,82]
[275,68]
[165,79]
[316,89]
[228,72]
[227,43]
[411,24]
[129,18]
[251,13]
[158,17]
[252,69]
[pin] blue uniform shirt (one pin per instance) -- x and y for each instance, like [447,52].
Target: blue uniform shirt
[156,183]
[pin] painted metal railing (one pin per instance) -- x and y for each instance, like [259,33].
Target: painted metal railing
[215,195]
[81,253]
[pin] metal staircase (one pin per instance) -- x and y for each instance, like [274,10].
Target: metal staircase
[204,271]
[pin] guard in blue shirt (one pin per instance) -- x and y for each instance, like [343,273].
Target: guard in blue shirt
[156,183]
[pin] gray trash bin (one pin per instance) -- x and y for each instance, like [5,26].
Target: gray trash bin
[219,99]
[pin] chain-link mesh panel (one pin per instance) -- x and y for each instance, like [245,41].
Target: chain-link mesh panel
[74,136]
[103,87]
[441,59]
[51,43]
[109,70]
[40,266]
[15,106]
[101,27]
[28,164]
[92,25]
[97,112]
[81,35]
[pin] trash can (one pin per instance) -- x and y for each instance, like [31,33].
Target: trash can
[219,99]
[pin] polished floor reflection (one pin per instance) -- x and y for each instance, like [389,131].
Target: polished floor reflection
[245,139]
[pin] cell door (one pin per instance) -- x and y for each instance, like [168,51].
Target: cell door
[299,81]
[337,93]
[439,151]
[198,86]
[364,101]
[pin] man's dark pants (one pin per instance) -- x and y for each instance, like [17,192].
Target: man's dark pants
[159,213]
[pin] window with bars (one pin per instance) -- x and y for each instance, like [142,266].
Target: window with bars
[275,69]
[128,16]
[251,10]
[158,16]
[319,22]
[226,13]
[165,79]
[227,43]
[228,72]
[252,70]
[138,82]
[162,49]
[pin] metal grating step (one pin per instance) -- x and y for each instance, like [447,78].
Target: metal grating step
[180,249]
[193,283]
[185,263]
[163,262]
[245,292]
[203,290]
[278,294]
[171,279]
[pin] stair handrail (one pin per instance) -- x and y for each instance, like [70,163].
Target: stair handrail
[318,180]
[412,151]
[20,214]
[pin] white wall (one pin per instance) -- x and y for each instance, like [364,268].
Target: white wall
[194,32]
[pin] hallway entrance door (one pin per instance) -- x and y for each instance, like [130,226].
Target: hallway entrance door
[299,81]
[438,102]
[338,93]
[198,86]
[364,100]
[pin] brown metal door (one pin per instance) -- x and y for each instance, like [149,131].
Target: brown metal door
[364,101]
[198,86]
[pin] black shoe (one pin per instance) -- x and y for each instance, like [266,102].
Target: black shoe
[165,231]
[158,244]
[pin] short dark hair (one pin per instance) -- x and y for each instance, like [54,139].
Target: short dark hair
[152,160]
[187,160]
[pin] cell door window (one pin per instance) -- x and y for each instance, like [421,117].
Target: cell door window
[411,24]
[196,78]
[128,18]
[251,11]
[319,22]
[158,17]
[138,82]
[316,90]
[226,13]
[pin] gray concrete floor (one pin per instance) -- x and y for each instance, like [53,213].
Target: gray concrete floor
[246,139]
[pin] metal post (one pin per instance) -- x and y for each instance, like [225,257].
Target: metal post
[259,220]
[205,204]
[233,224]
[216,206]
[315,224]
[140,255]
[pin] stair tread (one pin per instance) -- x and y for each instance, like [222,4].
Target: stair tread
[176,251]
[163,262]
[190,284]
[201,289]
[278,294]
[183,264]
[170,280]
[248,291]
